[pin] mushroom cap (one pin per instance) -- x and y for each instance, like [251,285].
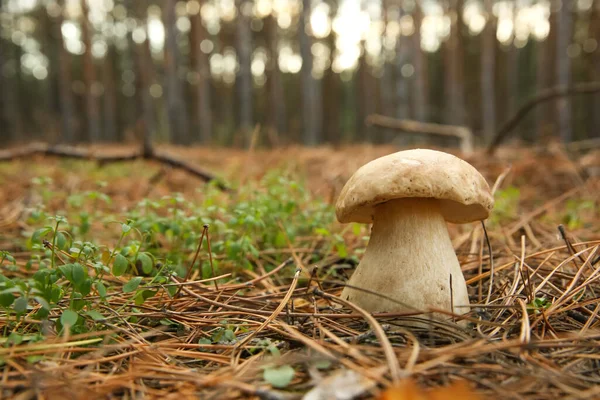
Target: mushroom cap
[463,192]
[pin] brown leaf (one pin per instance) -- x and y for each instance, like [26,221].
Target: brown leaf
[409,390]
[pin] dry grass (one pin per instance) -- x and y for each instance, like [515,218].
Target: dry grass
[510,349]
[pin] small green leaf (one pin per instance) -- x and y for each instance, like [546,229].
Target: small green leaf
[143,295]
[204,341]
[77,274]
[101,289]
[132,284]
[69,318]
[42,302]
[120,265]
[67,271]
[86,287]
[279,377]
[146,261]
[61,241]
[95,315]
[20,305]
[125,228]
[6,299]
[15,338]
[40,234]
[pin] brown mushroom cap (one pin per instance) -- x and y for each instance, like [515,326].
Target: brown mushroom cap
[463,192]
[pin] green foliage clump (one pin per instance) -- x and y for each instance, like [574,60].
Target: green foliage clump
[87,254]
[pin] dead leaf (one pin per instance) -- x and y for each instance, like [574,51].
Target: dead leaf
[409,390]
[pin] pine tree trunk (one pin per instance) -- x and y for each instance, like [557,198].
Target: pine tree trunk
[420,97]
[176,108]
[94,131]
[331,99]
[49,42]
[110,95]
[488,63]
[243,81]
[544,79]
[7,134]
[402,92]
[65,95]
[199,61]
[310,97]
[564,26]
[276,114]
[595,75]
[454,70]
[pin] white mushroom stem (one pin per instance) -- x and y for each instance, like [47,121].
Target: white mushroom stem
[410,259]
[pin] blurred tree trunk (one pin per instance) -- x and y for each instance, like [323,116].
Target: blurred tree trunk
[7,134]
[488,73]
[65,95]
[199,61]
[512,72]
[276,118]
[420,97]
[454,68]
[595,67]
[544,79]
[310,95]
[365,99]
[564,34]
[14,90]
[143,67]
[243,81]
[51,117]
[110,95]
[331,97]
[176,108]
[386,83]
[402,92]
[94,132]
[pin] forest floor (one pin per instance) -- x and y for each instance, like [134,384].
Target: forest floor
[106,293]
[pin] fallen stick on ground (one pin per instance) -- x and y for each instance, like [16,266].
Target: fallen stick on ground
[147,153]
[462,133]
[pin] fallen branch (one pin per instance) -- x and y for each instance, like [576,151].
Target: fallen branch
[462,133]
[546,95]
[146,153]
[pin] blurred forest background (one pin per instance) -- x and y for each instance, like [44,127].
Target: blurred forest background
[305,71]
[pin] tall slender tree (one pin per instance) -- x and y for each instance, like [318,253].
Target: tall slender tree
[65,94]
[13,90]
[594,28]
[564,34]
[310,96]
[92,108]
[386,82]
[276,114]
[7,134]
[144,72]
[199,61]
[488,73]
[176,108]
[244,82]
[110,95]
[512,70]
[419,92]
[454,66]
[402,88]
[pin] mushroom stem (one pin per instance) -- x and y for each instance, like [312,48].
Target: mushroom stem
[409,258]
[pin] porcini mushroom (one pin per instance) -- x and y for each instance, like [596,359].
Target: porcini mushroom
[408,196]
